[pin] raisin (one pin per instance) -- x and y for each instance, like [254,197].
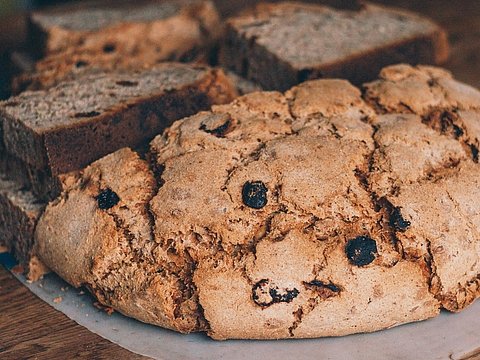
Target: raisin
[475,152]
[397,221]
[254,194]
[330,286]
[86,114]
[80,64]
[107,199]
[265,293]
[127,83]
[109,48]
[361,250]
[219,131]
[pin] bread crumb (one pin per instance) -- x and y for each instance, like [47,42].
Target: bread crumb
[58,299]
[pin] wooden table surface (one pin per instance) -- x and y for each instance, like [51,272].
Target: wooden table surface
[31,329]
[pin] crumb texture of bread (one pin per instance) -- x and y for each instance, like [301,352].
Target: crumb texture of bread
[280,45]
[321,211]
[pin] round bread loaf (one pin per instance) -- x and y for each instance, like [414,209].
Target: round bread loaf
[319,212]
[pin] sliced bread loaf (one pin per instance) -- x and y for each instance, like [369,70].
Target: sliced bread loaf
[50,72]
[280,45]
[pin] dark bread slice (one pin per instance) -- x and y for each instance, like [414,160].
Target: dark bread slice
[280,45]
[67,127]
[165,29]
[51,73]
[42,80]
[19,213]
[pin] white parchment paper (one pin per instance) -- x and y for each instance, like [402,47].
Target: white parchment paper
[449,336]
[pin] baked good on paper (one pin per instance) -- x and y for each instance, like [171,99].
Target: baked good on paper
[317,212]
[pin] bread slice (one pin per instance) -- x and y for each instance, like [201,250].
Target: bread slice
[19,213]
[157,29]
[47,76]
[68,126]
[280,45]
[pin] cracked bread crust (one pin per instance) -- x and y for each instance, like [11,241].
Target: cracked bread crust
[285,215]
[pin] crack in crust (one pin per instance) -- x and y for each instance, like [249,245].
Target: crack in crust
[322,291]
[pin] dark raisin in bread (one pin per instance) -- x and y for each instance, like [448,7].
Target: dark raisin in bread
[280,45]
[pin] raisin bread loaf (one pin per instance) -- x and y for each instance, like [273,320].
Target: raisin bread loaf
[280,45]
[318,212]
